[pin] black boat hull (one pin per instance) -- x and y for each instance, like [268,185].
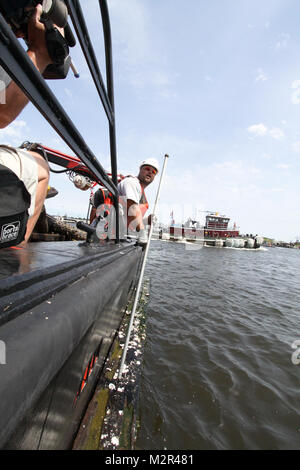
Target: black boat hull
[56,345]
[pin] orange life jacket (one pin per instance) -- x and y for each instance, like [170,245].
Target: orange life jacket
[143,203]
[103,196]
[104,199]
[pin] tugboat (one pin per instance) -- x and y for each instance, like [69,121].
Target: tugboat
[215,232]
[61,302]
[216,228]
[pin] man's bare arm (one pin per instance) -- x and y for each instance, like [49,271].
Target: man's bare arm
[135,216]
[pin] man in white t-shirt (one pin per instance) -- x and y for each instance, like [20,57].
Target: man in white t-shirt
[29,166]
[132,192]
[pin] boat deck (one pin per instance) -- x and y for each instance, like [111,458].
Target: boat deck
[42,255]
[35,272]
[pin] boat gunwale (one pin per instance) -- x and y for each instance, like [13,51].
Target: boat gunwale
[22,292]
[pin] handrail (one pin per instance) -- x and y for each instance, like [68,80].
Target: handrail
[17,64]
[82,33]
[110,91]
[109,81]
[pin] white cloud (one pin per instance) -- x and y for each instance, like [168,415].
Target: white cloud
[261,76]
[296,146]
[256,172]
[143,63]
[282,41]
[136,53]
[274,190]
[68,92]
[258,129]
[295,98]
[283,166]
[15,133]
[276,133]
[131,30]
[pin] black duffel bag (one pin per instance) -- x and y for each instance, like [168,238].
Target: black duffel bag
[14,205]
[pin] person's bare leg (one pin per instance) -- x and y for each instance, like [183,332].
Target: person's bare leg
[41,192]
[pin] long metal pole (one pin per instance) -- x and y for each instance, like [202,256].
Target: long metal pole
[142,270]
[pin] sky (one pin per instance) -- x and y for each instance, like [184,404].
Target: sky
[215,85]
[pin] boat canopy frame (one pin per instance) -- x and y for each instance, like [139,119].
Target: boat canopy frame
[16,63]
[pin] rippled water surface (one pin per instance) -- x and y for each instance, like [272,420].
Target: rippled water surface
[218,370]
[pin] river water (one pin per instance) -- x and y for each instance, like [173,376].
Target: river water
[220,370]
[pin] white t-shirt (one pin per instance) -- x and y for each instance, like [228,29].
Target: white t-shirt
[4,82]
[4,79]
[130,187]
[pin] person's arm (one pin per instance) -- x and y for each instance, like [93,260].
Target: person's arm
[15,99]
[136,222]
[135,216]
[130,189]
[150,219]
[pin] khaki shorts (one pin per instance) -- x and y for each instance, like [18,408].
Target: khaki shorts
[24,165]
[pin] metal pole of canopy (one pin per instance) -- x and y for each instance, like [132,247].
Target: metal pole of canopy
[79,24]
[106,95]
[137,294]
[110,92]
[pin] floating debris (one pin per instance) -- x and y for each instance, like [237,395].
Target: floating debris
[115,441]
[112,419]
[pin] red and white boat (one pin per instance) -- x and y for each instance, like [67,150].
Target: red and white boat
[215,232]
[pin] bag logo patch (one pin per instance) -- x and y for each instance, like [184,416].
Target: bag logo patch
[10,231]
